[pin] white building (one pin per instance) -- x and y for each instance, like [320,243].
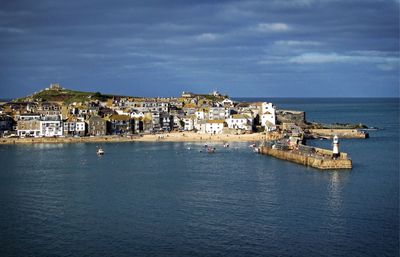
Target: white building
[74,126]
[239,121]
[188,123]
[29,116]
[268,117]
[217,113]
[80,127]
[137,115]
[227,102]
[201,114]
[215,93]
[187,94]
[51,126]
[200,126]
[214,126]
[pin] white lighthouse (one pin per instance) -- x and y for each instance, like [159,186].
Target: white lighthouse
[335,150]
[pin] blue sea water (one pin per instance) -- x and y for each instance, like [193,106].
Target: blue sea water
[161,199]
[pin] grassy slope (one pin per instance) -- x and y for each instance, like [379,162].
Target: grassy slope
[67,96]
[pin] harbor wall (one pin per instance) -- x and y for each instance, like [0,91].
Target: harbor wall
[342,133]
[319,162]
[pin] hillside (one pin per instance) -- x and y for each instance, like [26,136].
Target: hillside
[64,95]
[55,93]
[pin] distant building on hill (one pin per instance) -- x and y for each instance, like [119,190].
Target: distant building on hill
[54,86]
[187,94]
[215,93]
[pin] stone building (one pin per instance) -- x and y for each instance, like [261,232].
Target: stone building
[97,126]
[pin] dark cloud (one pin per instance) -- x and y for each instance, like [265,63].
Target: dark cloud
[248,48]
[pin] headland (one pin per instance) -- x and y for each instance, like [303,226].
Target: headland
[59,115]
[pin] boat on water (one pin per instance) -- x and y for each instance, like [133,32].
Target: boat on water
[252,145]
[226,145]
[100,151]
[211,150]
[257,150]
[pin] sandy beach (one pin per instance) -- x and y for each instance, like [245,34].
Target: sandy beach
[167,137]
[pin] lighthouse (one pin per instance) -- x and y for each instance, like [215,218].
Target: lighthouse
[335,150]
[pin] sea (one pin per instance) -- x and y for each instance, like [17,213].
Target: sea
[173,199]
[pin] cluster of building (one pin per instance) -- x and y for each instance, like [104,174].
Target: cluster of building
[209,114]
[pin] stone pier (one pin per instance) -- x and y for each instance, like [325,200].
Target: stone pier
[321,159]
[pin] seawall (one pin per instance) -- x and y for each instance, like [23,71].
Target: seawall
[341,133]
[321,160]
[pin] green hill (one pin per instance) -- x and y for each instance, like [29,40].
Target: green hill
[64,95]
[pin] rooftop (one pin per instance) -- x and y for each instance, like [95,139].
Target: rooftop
[215,121]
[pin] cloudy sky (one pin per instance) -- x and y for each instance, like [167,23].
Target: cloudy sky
[291,48]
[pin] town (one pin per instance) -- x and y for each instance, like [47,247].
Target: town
[212,113]
[58,115]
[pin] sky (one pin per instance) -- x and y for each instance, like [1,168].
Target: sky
[257,48]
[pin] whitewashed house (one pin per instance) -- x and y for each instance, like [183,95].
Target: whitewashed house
[201,114]
[188,123]
[239,121]
[268,116]
[51,126]
[74,126]
[200,126]
[227,102]
[80,127]
[214,126]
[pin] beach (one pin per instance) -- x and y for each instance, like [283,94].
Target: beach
[166,137]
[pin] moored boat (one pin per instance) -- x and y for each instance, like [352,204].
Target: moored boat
[100,151]
[211,150]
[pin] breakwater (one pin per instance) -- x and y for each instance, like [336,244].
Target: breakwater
[342,133]
[319,158]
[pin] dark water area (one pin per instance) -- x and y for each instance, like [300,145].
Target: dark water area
[161,199]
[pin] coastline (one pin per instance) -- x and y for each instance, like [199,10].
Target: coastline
[170,137]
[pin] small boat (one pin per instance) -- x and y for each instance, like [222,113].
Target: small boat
[256,150]
[252,145]
[226,145]
[211,150]
[100,151]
